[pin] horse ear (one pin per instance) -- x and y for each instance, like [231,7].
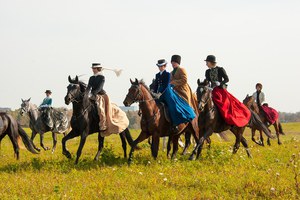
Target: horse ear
[22,100]
[131,81]
[205,82]
[29,99]
[198,82]
[136,81]
[76,79]
[247,96]
[69,78]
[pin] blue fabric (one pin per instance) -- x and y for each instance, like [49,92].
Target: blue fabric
[161,81]
[47,102]
[180,111]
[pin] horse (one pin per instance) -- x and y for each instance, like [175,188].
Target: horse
[37,124]
[165,142]
[154,122]
[210,121]
[85,120]
[9,126]
[249,101]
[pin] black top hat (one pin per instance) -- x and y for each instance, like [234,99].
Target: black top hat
[48,91]
[211,58]
[96,65]
[176,58]
[161,62]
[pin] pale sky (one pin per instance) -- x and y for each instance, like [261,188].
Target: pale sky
[42,42]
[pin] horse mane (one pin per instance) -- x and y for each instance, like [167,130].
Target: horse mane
[142,82]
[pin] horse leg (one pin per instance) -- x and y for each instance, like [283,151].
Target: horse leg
[124,144]
[33,134]
[54,137]
[169,147]
[100,146]
[245,144]
[238,138]
[208,140]
[42,142]
[164,143]
[81,144]
[276,126]
[175,146]
[15,145]
[253,136]
[71,135]
[198,149]
[261,138]
[155,145]
[187,142]
[143,135]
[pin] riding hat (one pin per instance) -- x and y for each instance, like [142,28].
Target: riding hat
[48,91]
[211,58]
[176,58]
[96,65]
[161,62]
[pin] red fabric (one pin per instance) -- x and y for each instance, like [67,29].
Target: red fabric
[270,113]
[231,109]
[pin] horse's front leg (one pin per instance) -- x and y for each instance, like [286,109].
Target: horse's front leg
[238,137]
[143,135]
[33,134]
[42,142]
[100,146]
[124,143]
[81,144]
[276,126]
[261,138]
[54,137]
[71,135]
[155,145]
[253,136]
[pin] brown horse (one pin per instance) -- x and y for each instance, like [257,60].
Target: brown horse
[210,120]
[9,126]
[154,122]
[249,101]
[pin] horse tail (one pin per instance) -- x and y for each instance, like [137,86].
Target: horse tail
[26,140]
[129,138]
[256,122]
[223,136]
[280,129]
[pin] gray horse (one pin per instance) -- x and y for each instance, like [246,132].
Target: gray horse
[37,124]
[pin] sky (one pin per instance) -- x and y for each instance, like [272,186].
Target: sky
[43,42]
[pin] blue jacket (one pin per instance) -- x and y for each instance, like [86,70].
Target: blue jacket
[161,82]
[47,102]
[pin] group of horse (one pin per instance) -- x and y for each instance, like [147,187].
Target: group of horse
[154,122]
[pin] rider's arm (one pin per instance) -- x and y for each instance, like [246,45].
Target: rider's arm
[224,76]
[98,87]
[182,80]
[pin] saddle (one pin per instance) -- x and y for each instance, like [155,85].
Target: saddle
[162,107]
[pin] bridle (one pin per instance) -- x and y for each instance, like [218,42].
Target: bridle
[204,102]
[139,94]
[73,97]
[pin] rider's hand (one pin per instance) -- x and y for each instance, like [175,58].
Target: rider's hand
[217,83]
[158,95]
[92,97]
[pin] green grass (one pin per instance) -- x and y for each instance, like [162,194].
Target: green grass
[270,174]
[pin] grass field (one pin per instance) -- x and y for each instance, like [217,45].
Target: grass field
[272,173]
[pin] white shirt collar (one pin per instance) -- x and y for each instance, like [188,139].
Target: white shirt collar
[162,72]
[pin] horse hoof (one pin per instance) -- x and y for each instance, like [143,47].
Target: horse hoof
[191,158]
[279,143]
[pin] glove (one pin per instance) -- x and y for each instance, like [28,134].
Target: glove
[217,83]
[92,97]
[158,95]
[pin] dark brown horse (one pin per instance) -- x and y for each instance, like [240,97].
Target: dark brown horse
[85,120]
[210,120]
[249,101]
[154,122]
[9,126]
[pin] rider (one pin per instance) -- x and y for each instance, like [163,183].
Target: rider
[230,108]
[259,96]
[45,108]
[180,84]
[96,83]
[215,75]
[270,113]
[179,110]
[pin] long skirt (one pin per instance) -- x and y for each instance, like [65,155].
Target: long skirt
[231,109]
[180,111]
[270,113]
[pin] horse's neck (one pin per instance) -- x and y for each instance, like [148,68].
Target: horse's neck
[77,108]
[255,107]
[148,106]
[33,113]
[210,104]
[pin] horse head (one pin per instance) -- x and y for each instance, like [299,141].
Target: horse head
[203,93]
[248,101]
[74,90]
[134,93]
[25,106]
